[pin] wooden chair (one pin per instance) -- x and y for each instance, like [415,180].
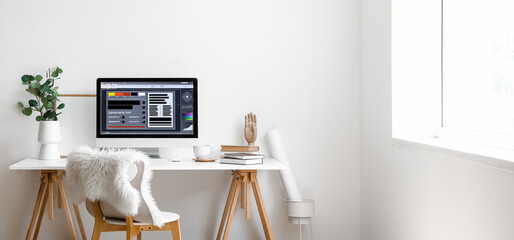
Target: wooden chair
[103,224]
[108,219]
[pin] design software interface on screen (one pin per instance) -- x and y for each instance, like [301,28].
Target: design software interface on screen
[147,108]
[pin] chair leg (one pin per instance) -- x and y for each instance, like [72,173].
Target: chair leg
[131,228]
[139,237]
[175,230]
[96,232]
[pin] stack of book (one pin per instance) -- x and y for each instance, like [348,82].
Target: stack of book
[242,158]
[243,155]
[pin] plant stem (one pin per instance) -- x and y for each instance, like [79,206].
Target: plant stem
[39,105]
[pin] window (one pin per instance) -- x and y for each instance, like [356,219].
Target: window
[478,71]
[416,68]
[452,72]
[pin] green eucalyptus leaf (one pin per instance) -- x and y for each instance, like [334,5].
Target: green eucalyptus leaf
[27,111]
[47,114]
[39,118]
[39,78]
[49,105]
[32,103]
[25,78]
[35,85]
[55,74]
[61,106]
[58,70]
[20,104]
[44,89]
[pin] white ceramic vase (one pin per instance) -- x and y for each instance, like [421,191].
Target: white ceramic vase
[49,137]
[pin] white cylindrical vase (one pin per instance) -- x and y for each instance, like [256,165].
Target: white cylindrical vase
[300,213]
[49,137]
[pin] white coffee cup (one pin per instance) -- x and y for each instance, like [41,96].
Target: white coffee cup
[203,151]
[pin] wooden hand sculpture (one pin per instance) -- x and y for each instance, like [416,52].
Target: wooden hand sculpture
[251,129]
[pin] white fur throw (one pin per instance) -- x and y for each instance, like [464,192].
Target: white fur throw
[103,176]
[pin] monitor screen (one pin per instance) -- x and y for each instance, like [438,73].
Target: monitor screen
[147,108]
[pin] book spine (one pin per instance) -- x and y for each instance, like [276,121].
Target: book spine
[225,153]
[243,157]
[240,162]
[239,149]
[233,152]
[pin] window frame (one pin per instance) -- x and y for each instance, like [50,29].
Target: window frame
[479,137]
[416,97]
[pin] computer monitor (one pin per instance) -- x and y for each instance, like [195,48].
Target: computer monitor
[146,112]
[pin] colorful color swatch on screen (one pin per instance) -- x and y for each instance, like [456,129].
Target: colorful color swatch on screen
[187,116]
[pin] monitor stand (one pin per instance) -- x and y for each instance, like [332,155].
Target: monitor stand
[175,154]
[171,149]
[151,152]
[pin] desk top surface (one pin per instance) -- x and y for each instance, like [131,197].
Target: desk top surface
[157,164]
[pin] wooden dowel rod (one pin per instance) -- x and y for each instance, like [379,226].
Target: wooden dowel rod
[50,191]
[77,95]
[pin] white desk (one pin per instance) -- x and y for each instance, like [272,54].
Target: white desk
[245,177]
[156,165]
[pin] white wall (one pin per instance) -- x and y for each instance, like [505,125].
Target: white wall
[409,194]
[294,63]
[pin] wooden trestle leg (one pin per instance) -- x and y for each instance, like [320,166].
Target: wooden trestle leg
[44,178]
[45,195]
[260,205]
[79,220]
[227,205]
[66,206]
[242,181]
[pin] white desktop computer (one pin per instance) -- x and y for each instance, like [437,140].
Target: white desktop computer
[148,113]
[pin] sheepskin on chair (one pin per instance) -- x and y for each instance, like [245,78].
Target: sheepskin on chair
[103,175]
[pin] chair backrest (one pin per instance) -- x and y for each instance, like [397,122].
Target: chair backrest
[103,176]
[135,173]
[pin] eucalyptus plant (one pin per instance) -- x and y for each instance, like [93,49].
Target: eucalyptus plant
[45,93]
